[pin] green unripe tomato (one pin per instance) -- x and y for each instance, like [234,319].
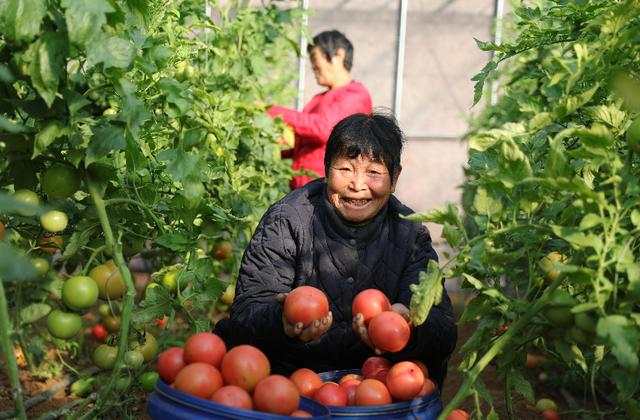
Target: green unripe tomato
[80,292]
[41,265]
[54,221]
[544,404]
[104,356]
[60,181]
[27,197]
[148,380]
[133,359]
[63,325]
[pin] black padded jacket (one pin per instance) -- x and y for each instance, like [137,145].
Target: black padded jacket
[301,240]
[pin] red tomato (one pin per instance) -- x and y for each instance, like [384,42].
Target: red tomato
[427,389]
[199,379]
[99,332]
[349,387]
[233,396]
[372,392]
[349,377]
[331,394]
[389,331]
[369,303]
[170,362]
[373,365]
[550,415]
[458,414]
[305,304]
[276,394]
[245,366]
[204,347]
[405,381]
[300,413]
[307,381]
[422,367]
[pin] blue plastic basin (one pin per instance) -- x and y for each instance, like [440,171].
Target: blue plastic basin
[166,403]
[425,408]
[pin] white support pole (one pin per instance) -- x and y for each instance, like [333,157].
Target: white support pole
[497,39]
[402,31]
[303,55]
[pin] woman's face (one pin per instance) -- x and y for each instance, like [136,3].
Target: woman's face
[324,70]
[358,188]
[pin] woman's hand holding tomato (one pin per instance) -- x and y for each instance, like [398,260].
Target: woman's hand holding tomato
[361,327]
[311,324]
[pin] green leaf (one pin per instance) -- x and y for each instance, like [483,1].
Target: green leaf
[85,19]
[134,114]
[576,238]
[426,293]
[485,204]
[8,126]
[589,221]
[596,137]
[14,265]
[112,52]
[452,234]
[521,385]
[480,78]
[473,281]
[623,338]
[21,19]
[608,114]
[635,218]
[47,57]
[177,94]
[45,137]
[175,242]
[79,238]
[106,138]
[571,104]
[34,312]
[441,216]
[182,166]
[157,303]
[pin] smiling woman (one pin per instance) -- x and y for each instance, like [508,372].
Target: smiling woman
[341,234]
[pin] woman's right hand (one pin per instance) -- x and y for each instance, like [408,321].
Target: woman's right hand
[310,333]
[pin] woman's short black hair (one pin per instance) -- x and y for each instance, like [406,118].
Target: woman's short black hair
[329,42]
[376,136]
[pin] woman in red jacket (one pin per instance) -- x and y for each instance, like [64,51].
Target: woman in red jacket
[331,55]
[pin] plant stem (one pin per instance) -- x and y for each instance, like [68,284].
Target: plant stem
[129,294]
[7,348]
[497,348]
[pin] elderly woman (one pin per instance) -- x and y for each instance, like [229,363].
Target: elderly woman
[341,234]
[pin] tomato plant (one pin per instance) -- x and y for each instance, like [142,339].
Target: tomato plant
[551,204]
[135,130]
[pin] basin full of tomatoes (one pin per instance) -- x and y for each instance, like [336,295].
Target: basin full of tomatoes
[239,378]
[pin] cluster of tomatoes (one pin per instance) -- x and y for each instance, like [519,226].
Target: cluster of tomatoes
[386,329]
[379,383]
[239,378]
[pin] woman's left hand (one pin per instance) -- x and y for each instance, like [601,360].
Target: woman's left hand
[361,329]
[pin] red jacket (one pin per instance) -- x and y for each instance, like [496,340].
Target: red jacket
[313,125]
